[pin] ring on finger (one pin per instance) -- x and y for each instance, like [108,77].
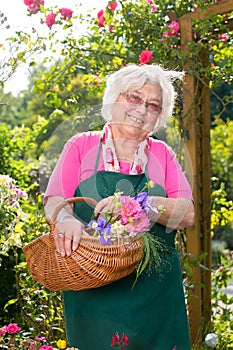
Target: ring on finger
[60,233]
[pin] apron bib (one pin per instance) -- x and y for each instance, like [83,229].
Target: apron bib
[153,313]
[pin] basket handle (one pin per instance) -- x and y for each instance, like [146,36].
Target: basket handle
[67,202]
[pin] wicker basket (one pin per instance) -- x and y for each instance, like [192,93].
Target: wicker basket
[92,265]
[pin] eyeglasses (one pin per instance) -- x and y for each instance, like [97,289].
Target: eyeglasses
[135,99]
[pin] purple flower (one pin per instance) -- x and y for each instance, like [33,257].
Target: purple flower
[149,205]
[141,198]
[97,225]
[104,235]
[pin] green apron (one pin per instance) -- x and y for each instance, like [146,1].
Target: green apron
[153,313]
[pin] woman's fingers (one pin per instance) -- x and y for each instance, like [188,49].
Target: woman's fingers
[105,205]
[67,236]
[68,233]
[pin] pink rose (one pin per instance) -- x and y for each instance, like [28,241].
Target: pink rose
[112,5]
[50,19]
[173,30]
[101,18]
[223,37]
[33,5]
[154,8]
[66,13]
[3,331]
[174,26]
[100,14]
[28,2]
[12,328]
[145,56]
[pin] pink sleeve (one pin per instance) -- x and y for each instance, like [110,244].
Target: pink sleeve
[165,170]
[67,175]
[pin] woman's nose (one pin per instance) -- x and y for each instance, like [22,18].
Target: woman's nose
[142,108]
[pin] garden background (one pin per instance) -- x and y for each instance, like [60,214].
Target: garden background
[67,74]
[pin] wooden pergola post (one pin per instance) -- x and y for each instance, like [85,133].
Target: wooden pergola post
[196,121]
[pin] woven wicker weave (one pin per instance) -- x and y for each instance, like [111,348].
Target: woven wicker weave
[92,265]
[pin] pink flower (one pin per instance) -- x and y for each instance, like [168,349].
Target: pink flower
[142,224]
[100,14]
[174,26]
[46,347]
[122,342]
[115,339]
[12,328]
[223,37]
[40,338]
[50,19]
[130,209]
[112,5]
[173,30]
[3,331]
[145,56]
[125,339]
[101,18]
[66,13]
[33,5]
[154,8]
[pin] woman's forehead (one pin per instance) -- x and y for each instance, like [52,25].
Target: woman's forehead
[153,90]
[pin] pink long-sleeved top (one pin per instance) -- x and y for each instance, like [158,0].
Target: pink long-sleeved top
[78,158]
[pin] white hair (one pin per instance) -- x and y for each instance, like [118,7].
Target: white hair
[134,77]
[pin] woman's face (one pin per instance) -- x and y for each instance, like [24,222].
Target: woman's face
[135,112]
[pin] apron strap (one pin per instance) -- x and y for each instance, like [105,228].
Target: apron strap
[98,157]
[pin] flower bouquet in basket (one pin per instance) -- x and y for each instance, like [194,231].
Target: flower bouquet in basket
[128,221]
[119,244]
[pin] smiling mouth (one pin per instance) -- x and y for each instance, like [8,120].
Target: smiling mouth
[136,120]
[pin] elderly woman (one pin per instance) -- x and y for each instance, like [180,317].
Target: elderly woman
[137,101]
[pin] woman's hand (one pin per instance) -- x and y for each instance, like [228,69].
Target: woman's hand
[104,206]
[67,235]
[178,212]
[68,230]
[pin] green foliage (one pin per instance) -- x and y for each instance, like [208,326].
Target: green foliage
[126,32]
[41,310]
[12,216]
[222,154]
[76,79]
[221,100]
[222,304]
[13,110]
[222,209]
[15,145]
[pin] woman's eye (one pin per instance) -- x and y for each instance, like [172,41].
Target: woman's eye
[154,107]
[135,99]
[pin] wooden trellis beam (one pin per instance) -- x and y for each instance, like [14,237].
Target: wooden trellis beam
[196,123]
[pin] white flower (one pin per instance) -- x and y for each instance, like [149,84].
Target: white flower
[211,340]
[117,228]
